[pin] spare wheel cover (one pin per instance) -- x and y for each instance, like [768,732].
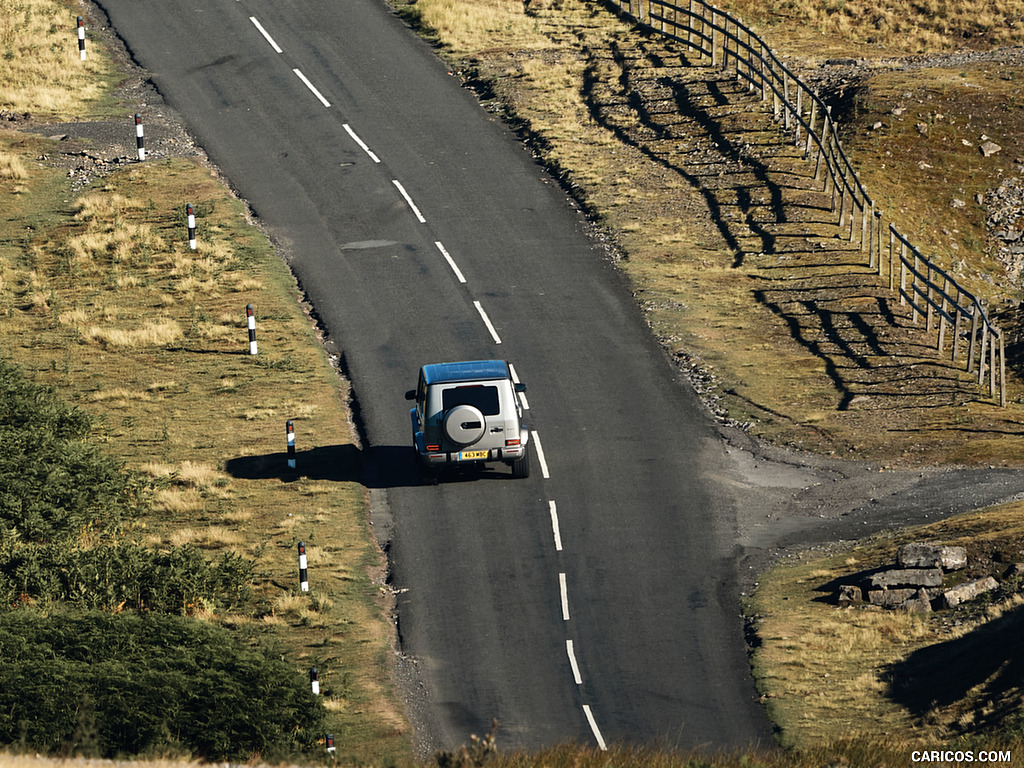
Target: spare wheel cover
[464,424]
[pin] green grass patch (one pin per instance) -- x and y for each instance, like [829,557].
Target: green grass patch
[105,685]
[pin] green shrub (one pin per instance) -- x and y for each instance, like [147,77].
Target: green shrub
[53,484]
[113,685]
[125,576]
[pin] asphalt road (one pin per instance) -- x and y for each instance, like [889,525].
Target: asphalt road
[596,601]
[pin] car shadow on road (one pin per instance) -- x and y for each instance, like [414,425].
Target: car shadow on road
[380,466]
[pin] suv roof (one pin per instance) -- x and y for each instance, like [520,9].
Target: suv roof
[475,370]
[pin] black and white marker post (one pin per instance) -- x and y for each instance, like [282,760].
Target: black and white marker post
[303,574]
[191,212]
[314,681]
[140,141]
[290,428]
[250,320]
[81,38]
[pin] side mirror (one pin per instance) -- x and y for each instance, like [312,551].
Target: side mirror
[520,387]
[410,395]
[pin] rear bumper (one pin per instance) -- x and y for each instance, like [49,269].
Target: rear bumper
[439,458]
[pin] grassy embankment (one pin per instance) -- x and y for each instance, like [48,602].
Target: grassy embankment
[102,298]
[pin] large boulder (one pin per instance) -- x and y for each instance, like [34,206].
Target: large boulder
[907,577]
[890,598]
[921,555]
[969,591]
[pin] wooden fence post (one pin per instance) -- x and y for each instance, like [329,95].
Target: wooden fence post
[984,345]
[992,367]
[725,42]
[714,36]
[799,114]
[764,80]
[928,300]
[943,313]
[903,274]
[811,135]
[974,340]
[892,256]
[1002,372]
[957,323]
[690,27]
[787,116]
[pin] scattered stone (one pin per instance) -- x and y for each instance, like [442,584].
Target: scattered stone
[908,577]
[957,203]
[850,593]
[922,555]
[891,598]
[922,128]
[919,603]
[969,591]
[989,148]
[1016,571]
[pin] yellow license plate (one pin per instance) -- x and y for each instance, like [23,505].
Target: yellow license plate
[467,455]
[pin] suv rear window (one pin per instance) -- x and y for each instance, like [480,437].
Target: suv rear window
[479,396]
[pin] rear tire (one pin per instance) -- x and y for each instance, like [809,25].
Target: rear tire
[521,467]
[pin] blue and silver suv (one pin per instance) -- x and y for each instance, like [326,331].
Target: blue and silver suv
[469,413]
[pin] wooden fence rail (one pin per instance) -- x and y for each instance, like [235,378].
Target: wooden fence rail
[727,42]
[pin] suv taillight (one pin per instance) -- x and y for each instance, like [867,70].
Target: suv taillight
[517,441]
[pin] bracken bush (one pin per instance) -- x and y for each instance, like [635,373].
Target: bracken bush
[104,685]
[125,576]
[54,484]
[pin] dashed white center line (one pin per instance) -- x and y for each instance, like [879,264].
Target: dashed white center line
[360,142]
[540,457]
[265,34]
[554,525]
[522,395]
[572,662]
[311,87]
[451,261]
[487,322]
[565,596]
[593,726]
[409,201]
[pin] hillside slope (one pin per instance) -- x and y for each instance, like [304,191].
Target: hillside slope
[729,242]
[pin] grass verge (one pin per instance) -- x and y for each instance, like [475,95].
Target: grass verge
[831,675]
[102,298]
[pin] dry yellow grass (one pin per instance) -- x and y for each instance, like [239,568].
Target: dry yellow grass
[210,537]
[40,65]
[826,672]
[909,26]
[159,333]
[12,167]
